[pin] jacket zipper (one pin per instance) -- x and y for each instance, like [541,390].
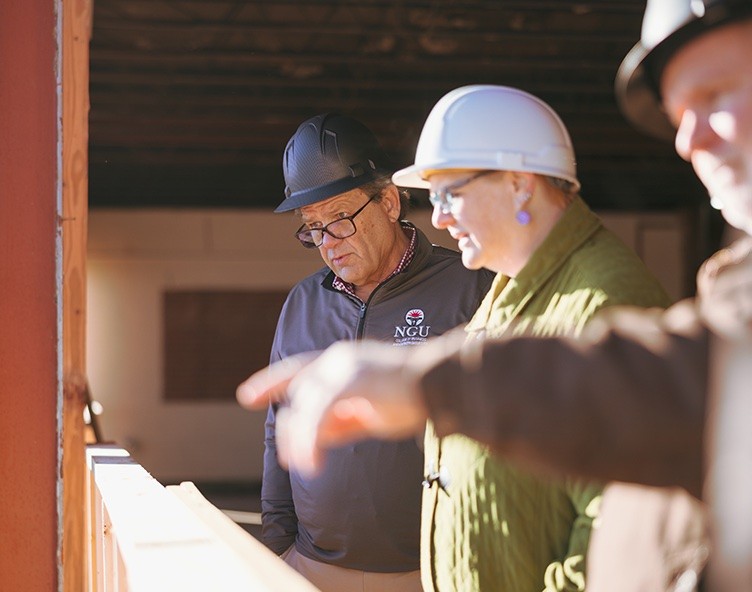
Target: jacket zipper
[364,309]
[361,319]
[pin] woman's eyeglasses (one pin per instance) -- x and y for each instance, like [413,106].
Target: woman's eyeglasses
[444,198]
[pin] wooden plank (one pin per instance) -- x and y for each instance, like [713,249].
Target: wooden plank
[98,525]
[275,574]
[76,32]
[29,296]
[153,542]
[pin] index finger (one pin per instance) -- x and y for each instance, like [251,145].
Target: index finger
[270,384]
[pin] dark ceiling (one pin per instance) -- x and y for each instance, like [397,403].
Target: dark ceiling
[192,101]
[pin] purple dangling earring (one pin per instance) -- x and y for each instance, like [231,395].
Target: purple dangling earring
[522,216]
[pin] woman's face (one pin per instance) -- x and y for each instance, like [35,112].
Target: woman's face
[481,217]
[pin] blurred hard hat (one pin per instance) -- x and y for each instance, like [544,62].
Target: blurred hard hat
[491,127]
[330,154]
[666,27]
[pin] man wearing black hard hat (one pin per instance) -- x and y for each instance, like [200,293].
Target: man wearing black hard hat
[677,383]
[356,526]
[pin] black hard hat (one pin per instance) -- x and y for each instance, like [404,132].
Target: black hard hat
[666,27]
[328,155]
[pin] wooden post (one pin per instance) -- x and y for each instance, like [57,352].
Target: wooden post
[77,17]
[30,293]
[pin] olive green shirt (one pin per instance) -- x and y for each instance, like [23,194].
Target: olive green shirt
[491,526]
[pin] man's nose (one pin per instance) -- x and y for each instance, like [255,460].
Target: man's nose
[328,240]
[693,133]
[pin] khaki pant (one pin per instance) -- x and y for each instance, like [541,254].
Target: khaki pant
[331,578]
[647,539]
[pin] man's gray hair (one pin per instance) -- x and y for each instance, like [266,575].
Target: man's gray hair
[378,186]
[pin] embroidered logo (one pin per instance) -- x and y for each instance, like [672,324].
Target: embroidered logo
[413,331]
[414,316]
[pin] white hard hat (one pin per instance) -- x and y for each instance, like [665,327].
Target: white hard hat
[491,127]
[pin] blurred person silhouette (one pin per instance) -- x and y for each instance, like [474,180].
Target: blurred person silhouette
[688,79]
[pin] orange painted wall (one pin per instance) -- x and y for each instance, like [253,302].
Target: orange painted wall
[28,296]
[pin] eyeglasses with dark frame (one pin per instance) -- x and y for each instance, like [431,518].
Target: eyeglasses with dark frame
[444,198]
[311,238]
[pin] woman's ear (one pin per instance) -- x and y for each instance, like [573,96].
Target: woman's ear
[523,183]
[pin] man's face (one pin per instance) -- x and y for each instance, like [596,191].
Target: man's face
[707,93]
[359,259]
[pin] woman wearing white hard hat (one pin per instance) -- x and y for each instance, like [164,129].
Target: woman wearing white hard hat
[501,171]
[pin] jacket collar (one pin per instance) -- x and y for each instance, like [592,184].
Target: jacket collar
[507,297]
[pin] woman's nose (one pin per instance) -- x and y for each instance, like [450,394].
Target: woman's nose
[439,218]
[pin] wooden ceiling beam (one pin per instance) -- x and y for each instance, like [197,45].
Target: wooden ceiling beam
[279,105]
[400,78]
[499,28]
[576,6]
[657,163]
[495,56]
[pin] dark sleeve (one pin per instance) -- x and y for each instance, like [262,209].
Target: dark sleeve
[279,523]
[566,573]
[624,402]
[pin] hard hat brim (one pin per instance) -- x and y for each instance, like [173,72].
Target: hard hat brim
[414,176]
[637,97]
[314,195]
[637,82]
[411,176]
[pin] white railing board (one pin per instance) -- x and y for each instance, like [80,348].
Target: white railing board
[146,538]
[267,566]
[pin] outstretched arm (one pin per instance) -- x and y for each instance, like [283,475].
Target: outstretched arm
[625,402]
[351,391]
[635,383]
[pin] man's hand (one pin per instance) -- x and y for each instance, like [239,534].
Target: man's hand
[350,392]
[270,384]
[726,290]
